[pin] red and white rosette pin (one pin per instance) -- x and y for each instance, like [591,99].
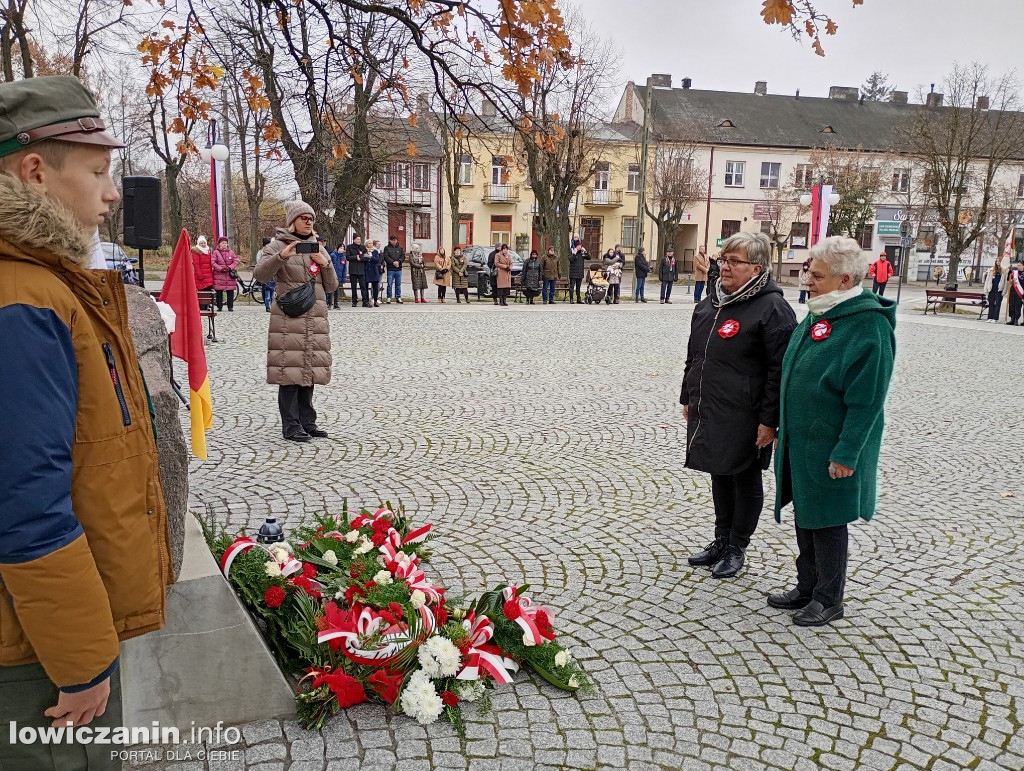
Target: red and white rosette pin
[313,268]
[820,330]
[729,328]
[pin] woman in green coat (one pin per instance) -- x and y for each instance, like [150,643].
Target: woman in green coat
[834,379]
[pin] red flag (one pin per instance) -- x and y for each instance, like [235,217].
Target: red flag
[187,339]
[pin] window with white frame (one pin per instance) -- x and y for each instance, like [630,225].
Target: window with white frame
[602,175]
[901,180]
[465,174]
[421,176]
[499,170]
[734,171]
[804,176]
[633,178]
[630,232]
[402,173]
[386,179]
[770,175]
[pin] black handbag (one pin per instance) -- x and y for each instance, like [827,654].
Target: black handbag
[299,300]
[233,273]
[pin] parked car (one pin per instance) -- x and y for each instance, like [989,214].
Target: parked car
[116,259]
[476,262]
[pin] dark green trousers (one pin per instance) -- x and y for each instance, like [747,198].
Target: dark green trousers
[25,693]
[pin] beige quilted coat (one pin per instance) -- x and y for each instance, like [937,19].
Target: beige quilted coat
[299,349]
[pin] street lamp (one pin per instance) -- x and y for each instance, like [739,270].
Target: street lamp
[820,198]
[832,198]
[216,152]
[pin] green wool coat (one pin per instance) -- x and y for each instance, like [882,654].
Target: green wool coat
[835,376]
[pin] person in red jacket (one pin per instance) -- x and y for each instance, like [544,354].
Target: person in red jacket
[202,264]
[881,271]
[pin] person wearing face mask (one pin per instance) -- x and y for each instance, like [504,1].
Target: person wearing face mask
[730,393]
[834,380]
[299,347]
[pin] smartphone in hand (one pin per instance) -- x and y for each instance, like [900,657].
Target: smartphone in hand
[305,247]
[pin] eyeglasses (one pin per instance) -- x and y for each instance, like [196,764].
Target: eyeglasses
[733,262]
[305,218]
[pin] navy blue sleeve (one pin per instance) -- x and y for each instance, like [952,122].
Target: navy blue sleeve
[38,405]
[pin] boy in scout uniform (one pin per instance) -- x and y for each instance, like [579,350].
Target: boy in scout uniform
[83,547]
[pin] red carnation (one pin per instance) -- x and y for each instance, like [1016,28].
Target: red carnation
[395,608]
[346,689]
[320,530]
[464,646]
[381,526]
[274,596]
[371,585]
[387,684]
[449,699]
[309,570]
[511,609]
[351,593]
[441,614]
[392,567]
[306,585]
[544,625]
[379,538]
[356,570]
[353,526]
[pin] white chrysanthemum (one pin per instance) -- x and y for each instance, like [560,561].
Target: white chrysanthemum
[364,546]
[470,690]
[528,640]
[574,682]
[562,658]
[439,657]
[273,569]
[331,557]
[420,700]
[280,553]
[339,595]
[352,536]
[418,599]
[383,578]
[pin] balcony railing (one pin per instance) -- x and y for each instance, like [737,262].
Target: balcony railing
[403,196]
[603,198]
[501,193]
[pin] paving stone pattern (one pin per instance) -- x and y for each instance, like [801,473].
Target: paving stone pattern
[545,444]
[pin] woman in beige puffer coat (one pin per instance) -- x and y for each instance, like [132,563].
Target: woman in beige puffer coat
[298,349]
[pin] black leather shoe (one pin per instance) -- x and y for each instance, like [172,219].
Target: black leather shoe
[791,600]
[730,564]
[319,433]
[711,554]
[816,614]
[299,437]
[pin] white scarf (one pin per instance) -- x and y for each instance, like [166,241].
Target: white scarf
[823,303]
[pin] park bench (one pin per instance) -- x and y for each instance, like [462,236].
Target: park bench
[206,310]
[936,297]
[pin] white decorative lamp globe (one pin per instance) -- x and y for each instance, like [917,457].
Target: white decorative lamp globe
[219,152]
[204,153]
[805,199]
[833,199]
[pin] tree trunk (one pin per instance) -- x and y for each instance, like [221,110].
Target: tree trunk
[254,228]
[173,200]
[560,240]
[7,52]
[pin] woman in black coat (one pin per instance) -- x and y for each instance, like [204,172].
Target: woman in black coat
[641,268]
[578,258]
[730,393]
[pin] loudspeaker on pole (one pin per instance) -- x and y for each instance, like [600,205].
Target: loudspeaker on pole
[143,215]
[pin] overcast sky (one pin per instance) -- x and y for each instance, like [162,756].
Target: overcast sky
[724,44]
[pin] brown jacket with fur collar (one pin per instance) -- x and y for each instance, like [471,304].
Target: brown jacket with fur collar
[83,544]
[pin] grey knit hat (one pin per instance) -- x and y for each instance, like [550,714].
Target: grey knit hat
[295,209]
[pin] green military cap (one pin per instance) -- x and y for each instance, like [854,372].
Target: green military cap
[53,107]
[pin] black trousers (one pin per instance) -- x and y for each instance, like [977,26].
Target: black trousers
[613,293]
[878,288]
[359,289]
[738,499]
[574,288]
[463,292]
[374,290]
[220,299]
[1015,306]
[821,563]
[666,290]
[441,291]
[995,303]
[296,405]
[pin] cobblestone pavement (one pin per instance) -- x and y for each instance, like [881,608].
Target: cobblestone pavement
[546,446]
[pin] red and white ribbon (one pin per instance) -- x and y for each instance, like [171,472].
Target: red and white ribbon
[528,616]
[245,543]
[363,622]
[416,579]
[383,512]
[482,656]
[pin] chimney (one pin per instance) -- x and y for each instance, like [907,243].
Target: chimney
[797,94]
[630,92]
[422,107]
[687,82]
[934,100]
[898,97]
[660,81]
[761,87]
[843,93]
[982,103]
[488,109]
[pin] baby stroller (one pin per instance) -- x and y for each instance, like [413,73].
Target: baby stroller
[597,284]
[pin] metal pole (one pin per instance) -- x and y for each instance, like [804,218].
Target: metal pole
[645,141]
[227,169]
